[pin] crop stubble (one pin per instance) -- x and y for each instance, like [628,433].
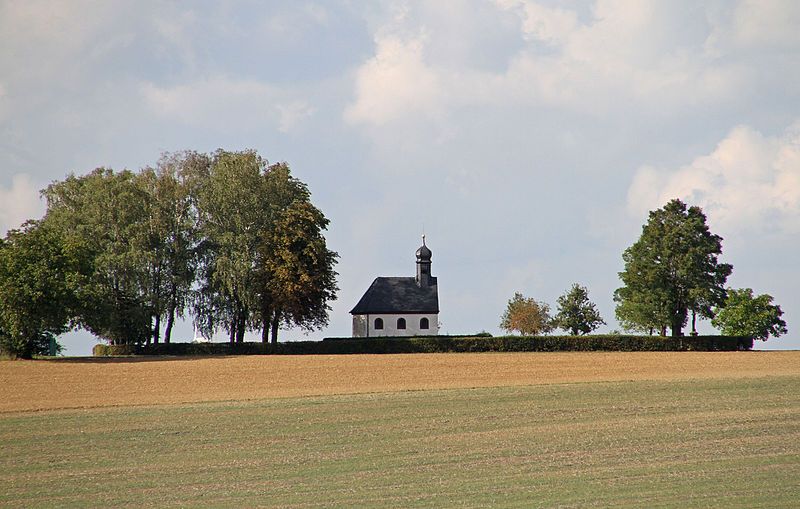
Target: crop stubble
[88,383]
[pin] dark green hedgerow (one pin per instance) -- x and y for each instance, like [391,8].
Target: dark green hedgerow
[442,344]
[112,350]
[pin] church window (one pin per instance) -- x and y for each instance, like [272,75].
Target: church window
[401,323]
[424,323]
[378,323]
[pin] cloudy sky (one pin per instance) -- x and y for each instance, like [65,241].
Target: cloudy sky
[529,138]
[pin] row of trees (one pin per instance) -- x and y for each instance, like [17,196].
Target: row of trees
[576,314]
[671,273]
[226,238]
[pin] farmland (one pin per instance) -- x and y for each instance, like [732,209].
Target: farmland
[478,430]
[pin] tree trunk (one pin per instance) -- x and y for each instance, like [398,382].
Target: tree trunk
[266,315]
[663,330]
[241,321]
[694,323]
[157,330]
[276,320]
[265,330]
[678,319]
[171,316]
[170,322]
[233,331]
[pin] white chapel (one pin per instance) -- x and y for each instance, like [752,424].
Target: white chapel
[400,306]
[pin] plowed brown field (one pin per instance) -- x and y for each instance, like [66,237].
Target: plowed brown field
[86,383]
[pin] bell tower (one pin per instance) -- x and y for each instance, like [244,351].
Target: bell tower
[423,265]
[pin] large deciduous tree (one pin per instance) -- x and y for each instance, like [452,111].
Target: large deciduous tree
[36,298]
[280,190]
[233,219]
[576,314]
[103,217]
[264,260]
[298,266]
[671,270]
[744,314]
[526,316]
[172,236]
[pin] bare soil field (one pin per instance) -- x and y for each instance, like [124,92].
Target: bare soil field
[102,382]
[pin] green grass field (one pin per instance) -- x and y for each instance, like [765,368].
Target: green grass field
[721,443]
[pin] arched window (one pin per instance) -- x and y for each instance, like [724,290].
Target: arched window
[401,323]
[424,323]
[378,323]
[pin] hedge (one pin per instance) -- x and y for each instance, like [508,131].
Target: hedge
[441,344]
[111,350]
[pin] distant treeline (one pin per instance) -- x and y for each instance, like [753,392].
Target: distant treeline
[225,238]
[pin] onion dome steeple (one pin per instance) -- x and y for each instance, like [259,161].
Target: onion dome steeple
[424,264]
[423,253]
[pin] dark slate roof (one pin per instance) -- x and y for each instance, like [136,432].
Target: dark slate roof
[391,295]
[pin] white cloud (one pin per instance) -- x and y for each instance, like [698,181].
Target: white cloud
[292,114]
[591,67]
[19,202]
[40,38]
[748,181]
[395,83]
[753,26]
[214,102]
[539,22]
[59,22]
[770,23]
[177,29]
[2,101]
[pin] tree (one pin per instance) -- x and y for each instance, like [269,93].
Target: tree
[264,260]
[301,279]
[102,220]
[641,311]
[273,278]
[172,236]
[576,313]
[233,217]
[36,300]
[527,316]
[673,268]
[746,315]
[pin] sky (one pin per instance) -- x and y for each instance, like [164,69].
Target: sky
[528,139]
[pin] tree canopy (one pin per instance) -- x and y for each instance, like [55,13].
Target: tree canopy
[747,315]
[576,314]
[672,269]
[227,237]
[102,217]
[36,297]
[264,260]
[526,316]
